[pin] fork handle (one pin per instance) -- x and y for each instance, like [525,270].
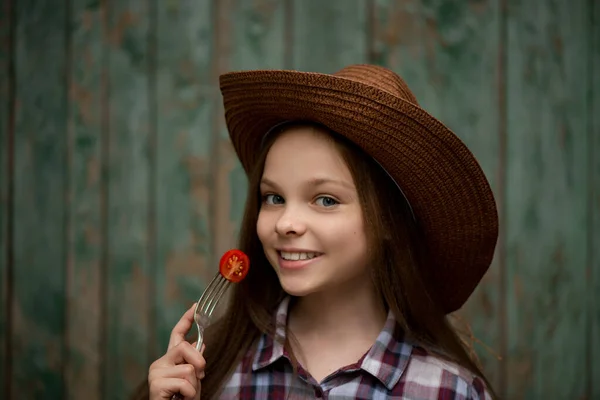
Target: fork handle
[178,396]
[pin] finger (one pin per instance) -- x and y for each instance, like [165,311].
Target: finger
[181,371]
[201,348]
[170,386]
[184,353]
[200,371]
[201,374]
[182,327]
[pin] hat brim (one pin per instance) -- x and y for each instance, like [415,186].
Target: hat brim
[440,177]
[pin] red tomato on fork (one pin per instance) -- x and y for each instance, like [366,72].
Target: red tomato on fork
[234,265]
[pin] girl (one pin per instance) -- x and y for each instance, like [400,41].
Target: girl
[367,221]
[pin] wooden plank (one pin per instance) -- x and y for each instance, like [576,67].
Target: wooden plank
[329,35]
[86,88]
[546,199]
[259,32]
[129,272]
[593,364]
[5,205]
[185,93]
[448,55]
[251,35]
[39,202]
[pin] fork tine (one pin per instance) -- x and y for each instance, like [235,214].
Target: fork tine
[213,298]
[211,306]
[208,292]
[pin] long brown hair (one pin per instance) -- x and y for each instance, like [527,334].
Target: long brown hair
[398,256]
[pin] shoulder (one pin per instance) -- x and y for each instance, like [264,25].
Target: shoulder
[432,377]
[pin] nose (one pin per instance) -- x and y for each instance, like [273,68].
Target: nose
[290,223]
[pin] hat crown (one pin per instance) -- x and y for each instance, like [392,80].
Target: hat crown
[379,77]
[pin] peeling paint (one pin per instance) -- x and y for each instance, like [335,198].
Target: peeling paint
[161,178]
[125,20]
[193,268]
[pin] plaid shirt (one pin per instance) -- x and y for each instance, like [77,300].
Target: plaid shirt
[391,369]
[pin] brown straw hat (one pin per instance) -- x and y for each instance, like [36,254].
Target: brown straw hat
[373,107]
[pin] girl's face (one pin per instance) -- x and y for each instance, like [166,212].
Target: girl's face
[310,222]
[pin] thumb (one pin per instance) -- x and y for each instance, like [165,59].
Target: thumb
[182,327]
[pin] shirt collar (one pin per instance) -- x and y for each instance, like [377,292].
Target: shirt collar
[271,348]
[386,360]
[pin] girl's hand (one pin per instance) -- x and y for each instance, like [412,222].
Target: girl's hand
[181,368]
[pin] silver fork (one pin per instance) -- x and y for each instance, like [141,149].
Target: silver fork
[205,307]
[207,303]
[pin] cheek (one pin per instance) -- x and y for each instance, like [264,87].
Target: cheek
[345,232]
[262,227]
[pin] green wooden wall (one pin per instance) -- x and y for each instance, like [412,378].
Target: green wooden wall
[119,188]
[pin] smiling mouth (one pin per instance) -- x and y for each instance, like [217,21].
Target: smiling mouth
[298,256]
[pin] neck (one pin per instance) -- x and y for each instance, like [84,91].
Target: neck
[353,311]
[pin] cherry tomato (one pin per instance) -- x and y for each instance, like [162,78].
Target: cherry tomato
[234,265]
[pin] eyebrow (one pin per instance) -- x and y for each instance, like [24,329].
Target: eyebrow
[313,182]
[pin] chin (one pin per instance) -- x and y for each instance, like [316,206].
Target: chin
[297,289]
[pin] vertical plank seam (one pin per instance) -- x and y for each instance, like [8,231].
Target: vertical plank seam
[152,156]
[370,31]
[68,160]
[590,201]
[288,20]
[104,194]
[220,53]
[10,159]
[214,132]
[502,197]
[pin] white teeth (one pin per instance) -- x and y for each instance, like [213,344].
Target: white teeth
[297,256]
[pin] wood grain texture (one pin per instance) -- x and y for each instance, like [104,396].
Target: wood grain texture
[447,52]
[86,212]
[259,32]
[328,35]
[5,206]
[185,94]
[129,276]
[546,199]
[251,36]
[40,206]
[593,267]
[126,189]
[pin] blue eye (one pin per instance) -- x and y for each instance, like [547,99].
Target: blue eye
[272,199]
[326,201]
